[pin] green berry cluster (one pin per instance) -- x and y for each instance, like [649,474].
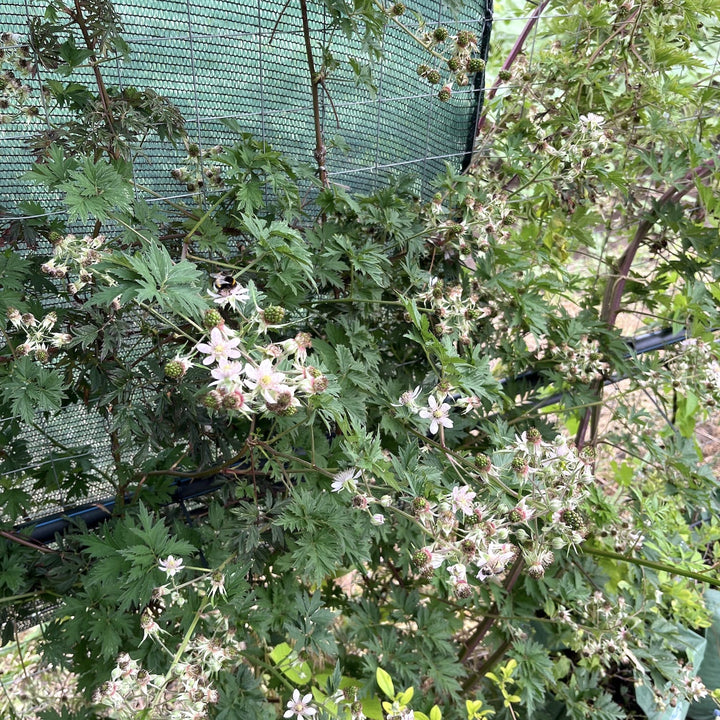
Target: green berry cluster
[174,369]
[212,319]
[273,314]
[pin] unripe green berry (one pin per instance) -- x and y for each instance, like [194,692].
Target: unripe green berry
[55,238]
[420,505]
[193,150]
[174,369]
[475,65]
[588,453]
[212,319]
[453,64]
[573,519]
[42,355]
[518,464]
[445,94]
[398,9]
[464,38]
[423,69]
[273,315]
[440,34]
[433,77]
[212,400]
[420,559]
[533,435]
[504,75]
[483,462]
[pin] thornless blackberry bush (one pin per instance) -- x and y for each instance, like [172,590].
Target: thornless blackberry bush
[410,526]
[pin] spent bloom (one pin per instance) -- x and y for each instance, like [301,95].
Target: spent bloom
[345,480]
[407,399]
[437,413]
[300,706]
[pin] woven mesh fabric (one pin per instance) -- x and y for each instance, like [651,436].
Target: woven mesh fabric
[246,61]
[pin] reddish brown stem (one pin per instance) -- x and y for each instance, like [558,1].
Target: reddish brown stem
[102,90]
[488,621]
[12,537]
[517,47]
[616,284]
[315,80]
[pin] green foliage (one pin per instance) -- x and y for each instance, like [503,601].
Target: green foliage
[430,497]
[30,388]
[150,276]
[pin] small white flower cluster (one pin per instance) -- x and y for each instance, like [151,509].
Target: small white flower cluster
[38,335]
[551,482]
[465,315]
[185,695]
[582,363]
[672,694]
[603,630]
[269,385]
[436,411]
[695,368]
[74,255]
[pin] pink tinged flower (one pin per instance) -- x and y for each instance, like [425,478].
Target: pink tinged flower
[300,706]
[461,498]
[345,480]
[378,519]
[220,348]
[264,379]
[171,566]
[437,414]
[227,373]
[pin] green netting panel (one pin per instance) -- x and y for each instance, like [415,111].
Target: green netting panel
[236,61]
[228,60]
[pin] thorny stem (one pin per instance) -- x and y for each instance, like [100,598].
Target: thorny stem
[315,80]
